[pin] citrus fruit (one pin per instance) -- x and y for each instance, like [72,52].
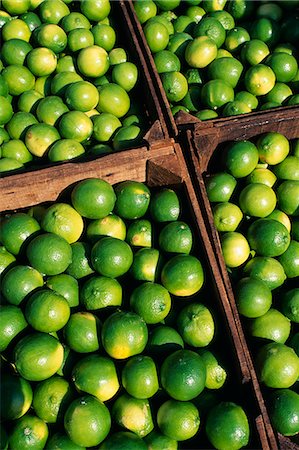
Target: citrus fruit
[200,52]
[283,65]
[117,55]
[132,199]
[7,259]
[60,440]
[235,108]
[195,324]
[220,186]
[290,260]
[47,311]
[39,137]
[51,36]
[281,217]
[273,147]
[215,373]
[151,301]
[279,94]
[38,356]
[93,198]
[133,414]
[49,253]
[65,285]
[80,266]
[123,440]
[19,281]
[288,169]
[216,93]
[183,375]
[175,85]
[178,420]
[287,195]
[81,96]
[283,411]
[254,51]
[51,398]
[16,396]
[95,10]
[289,304]
[164,340]
[178,43]
[231,67]
[19,79]
[79,38]
[114,100]
[104,126]
[241,158]
[235,39]
[16,229]
[277,365]
[104,36]
[87,421]
[9,164]
[41,61]
[266,269]
[176,237]
[12,323]
[124,334]
[253,297]
[18,6]
[16,29]
[227,216]
[246,97]
[146,264]
[61,80]
[156,35]
[110,225]
[82,332]
[164,205]
[63,220]
[261,175]
[224,17]
[227,426]
[139,377]
[99,58]
[259,79]
[15,51]
[273,325]
[182,275]
[18,124]
[52,11]
[268,237]
[111,257]
[265,29]
[65,149]
[100,292]
[74,20]
[126,137]
[167,61]
[235,248]
[28,431]
[75,125]
[139,233]
[156,440]
[125,75]
[257,200]
[145,10]
[212,28]
[96,375]
[16,149]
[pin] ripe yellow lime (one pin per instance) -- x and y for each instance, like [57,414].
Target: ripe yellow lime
[235,248]
[200,52]
[63,220]
[133,414]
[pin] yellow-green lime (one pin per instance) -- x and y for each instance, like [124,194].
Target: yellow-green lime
[290,260]
[100,292]
[273,326]
[257,200]
[139,377]
[39,137]
[96,375]
[226,68]
[82,332]
[28,431]
[47,311]
[151,301]
[16,29]
[52,11]
[235,248]
[227,216]
[164,205]
[261,175]
[145,10]
[163,340]
[110,225]
[65,285]
[289,304]
[259,79]
[80,265]
[38,356]
[65,149]
[287,195]
[178,420]
[283,411]
[19,281]
[156,35]
[220,186]
[246,97]
[75,125]
[267,269]
[288,169]
[16,396]
[133,414]
[253,297]
[16,149]
[215,373]
[16,229]
[146,264]
[167,61]
[87,421]
[12,323]
[200,52]
[235,39]
[216,93]
[60,440]
[281,217]
[51,398]
[113,99]
[61,80]
[196,325]
[104,126]
[6,260]
[64,221]
[41,61]
[273,147]
[139,233]
[18,124]
[125,75]
[50,109]
[95,10]
[81,96]
[254,52]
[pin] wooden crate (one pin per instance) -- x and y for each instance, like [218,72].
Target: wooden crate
[200,146]
[167,168]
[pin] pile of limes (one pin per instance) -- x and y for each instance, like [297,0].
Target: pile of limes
[66,83]
[107,327]
[254,193]
[223,58]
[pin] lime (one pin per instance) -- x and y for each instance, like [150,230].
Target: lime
[18,6]
[146,264]
[277,365]
[60,440]
[273,325]
[16,149]
[61,80]
[253,297]
[268,237]
[104,36]
[261,175]
[183,375]
[16,29]
[19,79]
[16,229]
[47,311]
[19,123]
[49,253]
[200,52]
[74,20]
[38,356]
[182,275]
[9,164]
[75,125]
[235,39]
[259,79]
[96,375]
[139,233]
[195,324]
[110,225]
[28,431]
[114,100]
[235,108]
[215,373]
[266,269]
[231,67]
[125,75]
[290,260]
[80,266]
[289,304]
[257,200]
[156,440]
[227,216]
[126,137]
[16,396]
[156,35]
[65,285]
[18,282]
[99,58]
[227,426]
[95,10]
[246,97]
[132,199]
[265,29]
[175,85]
[273,147]
[133,414]
[283,411]
[145,10]
[167,5]
[176,237]
[178,43]
[15,51]
[100,292]
[178,420]
[51,36]
[254,51]
[241,158]
[216,93]
[65,149]
[283,65]
[281,217]
[288,169]
[212,28]
[41,61]
[12,323]
[82,331]
[124,334]
[279,94]
[163,340]
[287,195]
[7,259]
[79,38]
[122,440]
[220,186]
[139,377]
[51,398]
[111,257]
[87,421]
[117,55]
[235,248]
[39,137]
[64,221]
[151,301]
[52,11]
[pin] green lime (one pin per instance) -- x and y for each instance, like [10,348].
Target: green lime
[175,85]
[164,205]
[268,237]
[139,233]
[283,65]
[61,80]
[156,440]
[99,58]
[253,297]
[257,200]
[235,39]
[279,94]
[212,28]
[80,266]
[114,100]
[95,10]
[196,325]
[82,331]
[111,225]
[220,186]
[60,440]
[283,411]
[126,137]
[151,301]
[65,149]
[227,69]
[111,257]
[146,264]
[156,35]
[259,79]
[79,38]
[15,51]
[65,285]
[75,125]
[178,420]
[273,326]
[52,11]
[100,292]
[200,52]
[241,158]
[28,431]
[290,260]
[39,137]
[216,93]
[182,275]
[215,373]
[287,195]
[63,220]
[246,97]
[132,199]
[227,216]
[18,282]
[261,175]
[123,440]
[12,323]
[145,10]
[288,169]
[16,396]
[18,124]
[19,79]
[139,377]
[176,237]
